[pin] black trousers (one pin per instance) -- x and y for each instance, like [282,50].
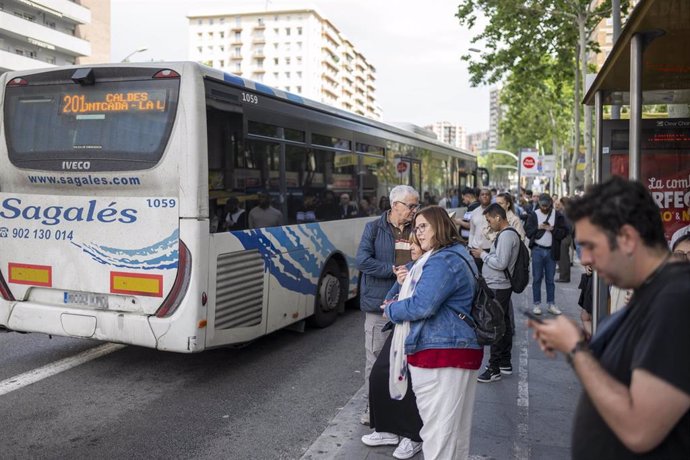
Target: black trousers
[388,415]
[501,350]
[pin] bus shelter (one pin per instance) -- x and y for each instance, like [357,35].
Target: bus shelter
[648,65]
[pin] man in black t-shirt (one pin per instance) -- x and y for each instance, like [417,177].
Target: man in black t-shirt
[634,372]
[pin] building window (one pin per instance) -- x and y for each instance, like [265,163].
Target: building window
[199,49]
[210,35]
[287,74]
[275,61]
[260,63]
[276,30]
[299,60]
[238,36]
[238,51]
[210,21]
[287,31]
[299,89]
[222,48]
[299,31]
[222,21]
[287,61]
[200,22]
[222,63]
[299,74]
[222,35]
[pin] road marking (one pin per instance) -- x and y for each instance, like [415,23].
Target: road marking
[521,445]
[36,375]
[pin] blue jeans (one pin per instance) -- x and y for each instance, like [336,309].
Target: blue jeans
[543,266]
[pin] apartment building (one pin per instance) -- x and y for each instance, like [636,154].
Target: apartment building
[45,33]
[476,142]
[603,35]
[450,133]
[297,50]
[495,116]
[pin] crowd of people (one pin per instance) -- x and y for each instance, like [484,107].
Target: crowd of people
[423,357]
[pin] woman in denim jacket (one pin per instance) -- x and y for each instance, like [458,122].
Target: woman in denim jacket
[443,355]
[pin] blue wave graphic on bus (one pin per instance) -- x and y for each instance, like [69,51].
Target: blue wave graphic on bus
[288,256]
[163,255]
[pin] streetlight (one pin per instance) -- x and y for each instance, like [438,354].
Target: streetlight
[140,50]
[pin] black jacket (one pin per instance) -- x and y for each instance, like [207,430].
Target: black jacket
[560,231]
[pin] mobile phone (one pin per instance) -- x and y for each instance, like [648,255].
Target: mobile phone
[532,316]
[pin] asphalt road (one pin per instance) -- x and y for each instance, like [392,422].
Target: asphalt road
[268,400]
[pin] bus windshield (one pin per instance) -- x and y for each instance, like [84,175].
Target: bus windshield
[115,125]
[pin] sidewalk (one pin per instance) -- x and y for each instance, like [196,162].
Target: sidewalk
[526,415]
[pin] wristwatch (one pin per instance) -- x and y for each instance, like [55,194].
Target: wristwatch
[581,345]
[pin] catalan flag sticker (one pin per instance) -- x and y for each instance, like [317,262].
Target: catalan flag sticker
[35,275]
[136,283]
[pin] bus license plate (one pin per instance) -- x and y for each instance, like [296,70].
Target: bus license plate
[87,299]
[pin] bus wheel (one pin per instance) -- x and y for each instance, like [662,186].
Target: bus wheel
[329,297]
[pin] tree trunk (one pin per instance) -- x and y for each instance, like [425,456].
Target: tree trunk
[576,129]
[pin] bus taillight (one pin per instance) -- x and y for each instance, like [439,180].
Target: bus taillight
[166,73]
[179,289]
[4,289]
[17,82]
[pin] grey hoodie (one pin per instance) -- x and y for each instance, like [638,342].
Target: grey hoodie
[503,254]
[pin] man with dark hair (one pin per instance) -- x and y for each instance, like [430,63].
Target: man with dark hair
[545,228]
[501,257]
[636,382]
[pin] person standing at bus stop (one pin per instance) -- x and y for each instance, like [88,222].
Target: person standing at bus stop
[382,254]
[635,401]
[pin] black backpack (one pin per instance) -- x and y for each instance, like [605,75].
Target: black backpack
[520,277]
[487,313]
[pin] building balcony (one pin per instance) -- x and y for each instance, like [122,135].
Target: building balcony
[332,94]
[64,9]
[236,42]
[236,29]
[329,63]
[45,37]
[12,61]
[259,40]
[258,54]
[236,57]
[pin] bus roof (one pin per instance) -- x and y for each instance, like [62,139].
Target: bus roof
[269,91]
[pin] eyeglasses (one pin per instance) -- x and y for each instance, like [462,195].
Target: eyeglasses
[680,255]
[411,207]
[421,228]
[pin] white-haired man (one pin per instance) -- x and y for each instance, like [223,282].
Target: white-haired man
[383,252]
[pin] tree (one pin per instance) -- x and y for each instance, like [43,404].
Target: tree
[535,41]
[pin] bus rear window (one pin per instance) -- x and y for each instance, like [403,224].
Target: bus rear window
[114,125]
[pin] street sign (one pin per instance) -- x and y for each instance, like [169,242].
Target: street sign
[534,165]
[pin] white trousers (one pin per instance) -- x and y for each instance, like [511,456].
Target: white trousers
[374,340]
[445,399]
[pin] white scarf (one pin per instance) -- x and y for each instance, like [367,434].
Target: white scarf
[397,382]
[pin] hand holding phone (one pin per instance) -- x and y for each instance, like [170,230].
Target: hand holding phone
[532,316]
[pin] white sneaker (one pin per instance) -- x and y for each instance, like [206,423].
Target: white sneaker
[553,310]
[407,449]
[536,310]
[380,439]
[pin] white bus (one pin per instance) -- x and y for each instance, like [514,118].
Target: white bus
[128,196]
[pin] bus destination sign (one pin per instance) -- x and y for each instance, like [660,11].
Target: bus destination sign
[107,102]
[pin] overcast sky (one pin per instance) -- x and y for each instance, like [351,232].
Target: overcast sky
[415,46]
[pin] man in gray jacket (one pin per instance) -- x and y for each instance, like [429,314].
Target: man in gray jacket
[501,257]
[382,254]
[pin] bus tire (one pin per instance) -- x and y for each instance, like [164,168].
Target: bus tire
[329,297]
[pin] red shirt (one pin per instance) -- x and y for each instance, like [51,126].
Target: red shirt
[463,358]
